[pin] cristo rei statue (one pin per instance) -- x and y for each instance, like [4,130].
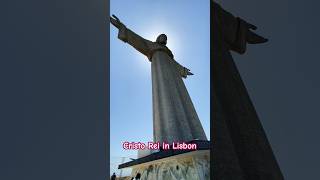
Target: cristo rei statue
[174,116]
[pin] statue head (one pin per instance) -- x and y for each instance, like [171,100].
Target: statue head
[162,39]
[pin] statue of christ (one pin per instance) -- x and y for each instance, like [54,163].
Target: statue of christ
[174,116]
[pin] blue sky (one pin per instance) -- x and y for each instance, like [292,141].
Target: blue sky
[186,23]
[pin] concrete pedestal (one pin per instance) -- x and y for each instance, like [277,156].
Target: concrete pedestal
[173,164]
[189,166]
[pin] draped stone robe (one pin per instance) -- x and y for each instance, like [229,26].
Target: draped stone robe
[241,150]
[174,116]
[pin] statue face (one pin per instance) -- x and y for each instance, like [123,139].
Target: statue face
[162,39]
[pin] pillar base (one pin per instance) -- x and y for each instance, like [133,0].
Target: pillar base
[173,165]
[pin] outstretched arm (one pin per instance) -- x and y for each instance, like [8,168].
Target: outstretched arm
[183,71]
[236,32]
[128,36]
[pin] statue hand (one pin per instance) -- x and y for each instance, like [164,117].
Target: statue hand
[189,72]
[114,20]
[186,72]
[252,37]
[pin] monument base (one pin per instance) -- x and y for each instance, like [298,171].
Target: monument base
[173,165]
[189,166]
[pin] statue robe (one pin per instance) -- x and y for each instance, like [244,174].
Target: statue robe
[174,116]
[241,150]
